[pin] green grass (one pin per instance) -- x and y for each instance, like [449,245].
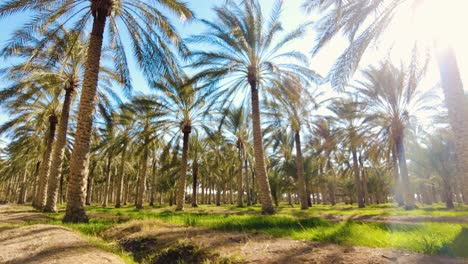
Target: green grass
[429,237]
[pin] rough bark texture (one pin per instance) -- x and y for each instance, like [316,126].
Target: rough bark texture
[142,181]
[79,159]
[301,184]
[22,194]
[457,110]
[357,180]
[408,195]
[260,168]
[247,185]
[396,178]
[195,184]
[59,151]
[120,179]
[183,169]
[331,184]
[153,182]
[45,165]
[240,188]
[90,185]
[108,180]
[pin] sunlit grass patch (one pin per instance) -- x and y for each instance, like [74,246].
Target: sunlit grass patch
[430,238]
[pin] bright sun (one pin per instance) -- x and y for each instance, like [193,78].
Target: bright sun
[444,20]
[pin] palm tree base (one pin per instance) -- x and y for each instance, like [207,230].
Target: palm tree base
[410,207]
[78,216]
[268,211]
[48,209]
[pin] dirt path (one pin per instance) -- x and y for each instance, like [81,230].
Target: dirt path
[44,243]
[257,248]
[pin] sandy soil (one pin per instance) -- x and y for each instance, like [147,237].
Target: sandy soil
[44,243]
[257,248]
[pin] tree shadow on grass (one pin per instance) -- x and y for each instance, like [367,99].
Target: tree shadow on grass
[457,247]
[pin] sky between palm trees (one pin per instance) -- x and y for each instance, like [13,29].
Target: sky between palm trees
[294,15]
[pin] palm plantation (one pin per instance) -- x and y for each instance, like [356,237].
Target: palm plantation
[171,142]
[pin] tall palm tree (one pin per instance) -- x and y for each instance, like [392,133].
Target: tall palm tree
[296,103]
[365,21]
[392,98]
[352,124]
[38,108]
[151,37]
[145,115]
[187,106]
[247,55]
[326,143]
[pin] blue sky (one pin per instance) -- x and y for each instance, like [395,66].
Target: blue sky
[293,15]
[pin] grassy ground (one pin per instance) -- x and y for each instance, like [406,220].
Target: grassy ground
[423,237]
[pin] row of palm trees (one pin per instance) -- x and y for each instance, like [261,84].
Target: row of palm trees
[246,54]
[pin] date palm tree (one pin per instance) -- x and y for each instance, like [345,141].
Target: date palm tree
[247,54]
[38,108]
[392,97]
[296,103]
[235,127]
[186,106]
[364,22]
[145,118]
[151,36]
[351,121]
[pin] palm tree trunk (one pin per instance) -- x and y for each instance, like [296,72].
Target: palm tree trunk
[357,180]
[120,179]
[260,168]
[22,194]
[79,162]
[183,169]
[247,185]
[153,182]
[59,151]
[36,179]
[240,189]
[218,194]
[142,182]
[364,181]
[396,177]
[331,184]
[301,184]
[457,110]
[89,189]
[195,184]
[108,179]
[45,165]
[408,195]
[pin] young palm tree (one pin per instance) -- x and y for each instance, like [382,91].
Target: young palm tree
[365,21]
[392,97]
[246,54]
[151,36]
